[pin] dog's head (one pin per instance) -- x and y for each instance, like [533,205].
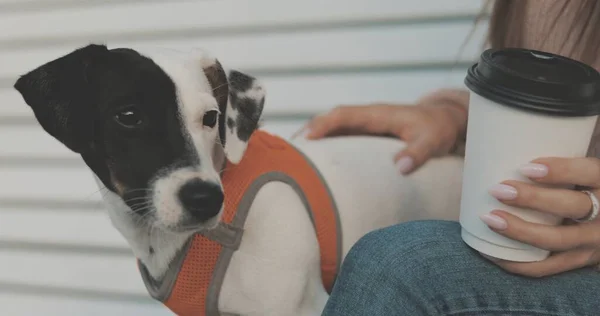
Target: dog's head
[154,128]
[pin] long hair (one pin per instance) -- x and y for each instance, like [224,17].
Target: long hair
[507,25]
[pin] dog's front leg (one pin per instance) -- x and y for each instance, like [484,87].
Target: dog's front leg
[276,270]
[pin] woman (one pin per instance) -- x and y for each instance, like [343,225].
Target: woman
[424,268]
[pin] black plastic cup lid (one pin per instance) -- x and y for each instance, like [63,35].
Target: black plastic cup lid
[536,81]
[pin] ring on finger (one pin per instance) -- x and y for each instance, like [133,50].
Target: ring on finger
[593,213]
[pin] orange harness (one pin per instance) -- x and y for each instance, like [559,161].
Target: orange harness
[193,282]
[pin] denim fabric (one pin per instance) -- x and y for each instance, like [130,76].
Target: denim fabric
[424,268]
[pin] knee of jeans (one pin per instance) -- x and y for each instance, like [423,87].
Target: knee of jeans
[415,237]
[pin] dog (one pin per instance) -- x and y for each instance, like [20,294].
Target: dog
[150,123]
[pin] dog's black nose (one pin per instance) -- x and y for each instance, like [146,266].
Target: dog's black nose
[202,200]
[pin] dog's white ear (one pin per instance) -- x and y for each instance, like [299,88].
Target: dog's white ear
[59,93]
[241,99]
[244,109]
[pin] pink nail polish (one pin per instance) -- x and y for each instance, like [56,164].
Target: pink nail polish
[305,133]
[494,221]
[298,133]
[503,192]
[534,170]
[302,133]
[404,164]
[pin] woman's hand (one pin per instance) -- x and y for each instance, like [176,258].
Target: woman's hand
[428,130]
[574,245]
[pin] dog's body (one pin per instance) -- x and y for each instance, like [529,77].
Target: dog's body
[276,270]
[278,262]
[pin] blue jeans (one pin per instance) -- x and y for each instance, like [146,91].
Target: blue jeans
[424,268]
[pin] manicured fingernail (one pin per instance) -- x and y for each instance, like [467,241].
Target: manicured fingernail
[503,192]
[305,133]
[534,170]
[405,164]
[301,133]
[494,221]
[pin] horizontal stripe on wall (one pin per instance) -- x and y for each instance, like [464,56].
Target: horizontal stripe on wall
[72,270]
[215,16]
[51,205]
[58,184]
[22,228]
[268,54]
[47,6]
[25,300]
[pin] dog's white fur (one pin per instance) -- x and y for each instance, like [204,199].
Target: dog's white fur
[195,98]
[276,270]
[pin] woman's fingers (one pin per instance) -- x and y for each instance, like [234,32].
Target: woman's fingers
[427,130]
[552,238]
[568,171]
[577,245]
[560,202]
[374,119]
[555,264]
[416,153]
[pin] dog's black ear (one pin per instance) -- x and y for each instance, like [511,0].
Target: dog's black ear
[241,99]
[60,96]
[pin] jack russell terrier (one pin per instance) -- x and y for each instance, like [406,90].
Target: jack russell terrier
[224,218]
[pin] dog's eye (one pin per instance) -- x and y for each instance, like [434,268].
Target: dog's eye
[210,118]
[129,117]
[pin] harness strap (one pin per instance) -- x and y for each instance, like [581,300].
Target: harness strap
[212,308]
[193,283]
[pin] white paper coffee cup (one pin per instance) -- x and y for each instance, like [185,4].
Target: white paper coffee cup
[523,105]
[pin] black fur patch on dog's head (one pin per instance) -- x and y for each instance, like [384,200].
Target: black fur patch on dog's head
[86,99]
[136,119]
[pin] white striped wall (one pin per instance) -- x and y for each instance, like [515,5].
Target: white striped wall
[59,254]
